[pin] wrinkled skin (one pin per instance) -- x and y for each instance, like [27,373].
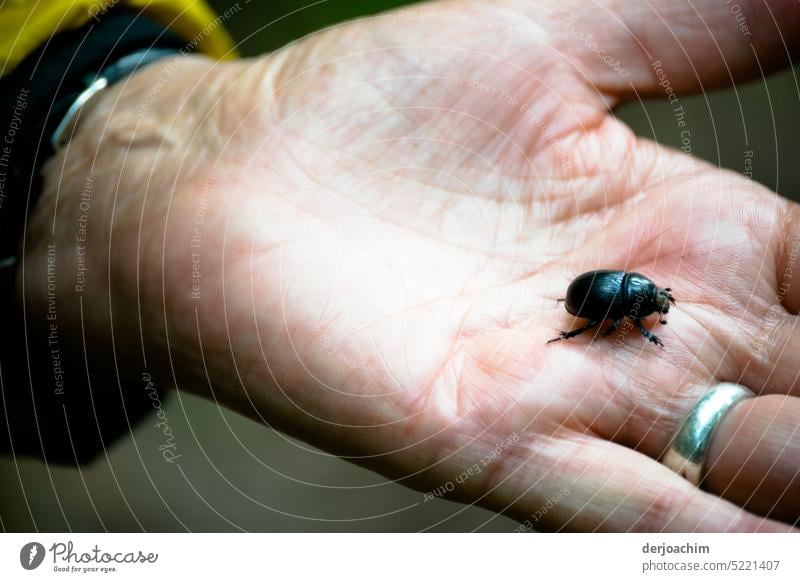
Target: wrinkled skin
[382,241]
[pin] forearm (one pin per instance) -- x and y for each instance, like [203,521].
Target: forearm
[81,275]
[54,404]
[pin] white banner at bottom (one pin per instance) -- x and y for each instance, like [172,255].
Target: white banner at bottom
[399,557]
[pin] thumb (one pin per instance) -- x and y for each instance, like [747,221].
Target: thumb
[649,48]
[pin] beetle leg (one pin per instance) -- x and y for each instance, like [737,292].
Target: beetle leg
[564,335]
[614,327]
[648,334]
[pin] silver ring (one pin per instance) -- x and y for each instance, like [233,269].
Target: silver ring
[687,453]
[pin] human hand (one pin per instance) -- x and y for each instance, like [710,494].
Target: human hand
[361,238]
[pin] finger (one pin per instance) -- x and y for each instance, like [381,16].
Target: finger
[768,349]
[652,47]
[754,458]
[601,486]
[768,354]
[787,253]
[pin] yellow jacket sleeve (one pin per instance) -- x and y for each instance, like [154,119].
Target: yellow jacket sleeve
[27,24]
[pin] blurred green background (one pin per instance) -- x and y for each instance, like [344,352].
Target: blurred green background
[238,475]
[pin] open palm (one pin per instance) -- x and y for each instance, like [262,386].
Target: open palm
[384,216]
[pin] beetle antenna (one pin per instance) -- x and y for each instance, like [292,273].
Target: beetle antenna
[560,300]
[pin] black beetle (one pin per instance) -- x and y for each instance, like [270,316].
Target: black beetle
[615,295]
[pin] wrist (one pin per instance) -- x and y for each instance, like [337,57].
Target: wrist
[117,212]
[83,214]
[77,338]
